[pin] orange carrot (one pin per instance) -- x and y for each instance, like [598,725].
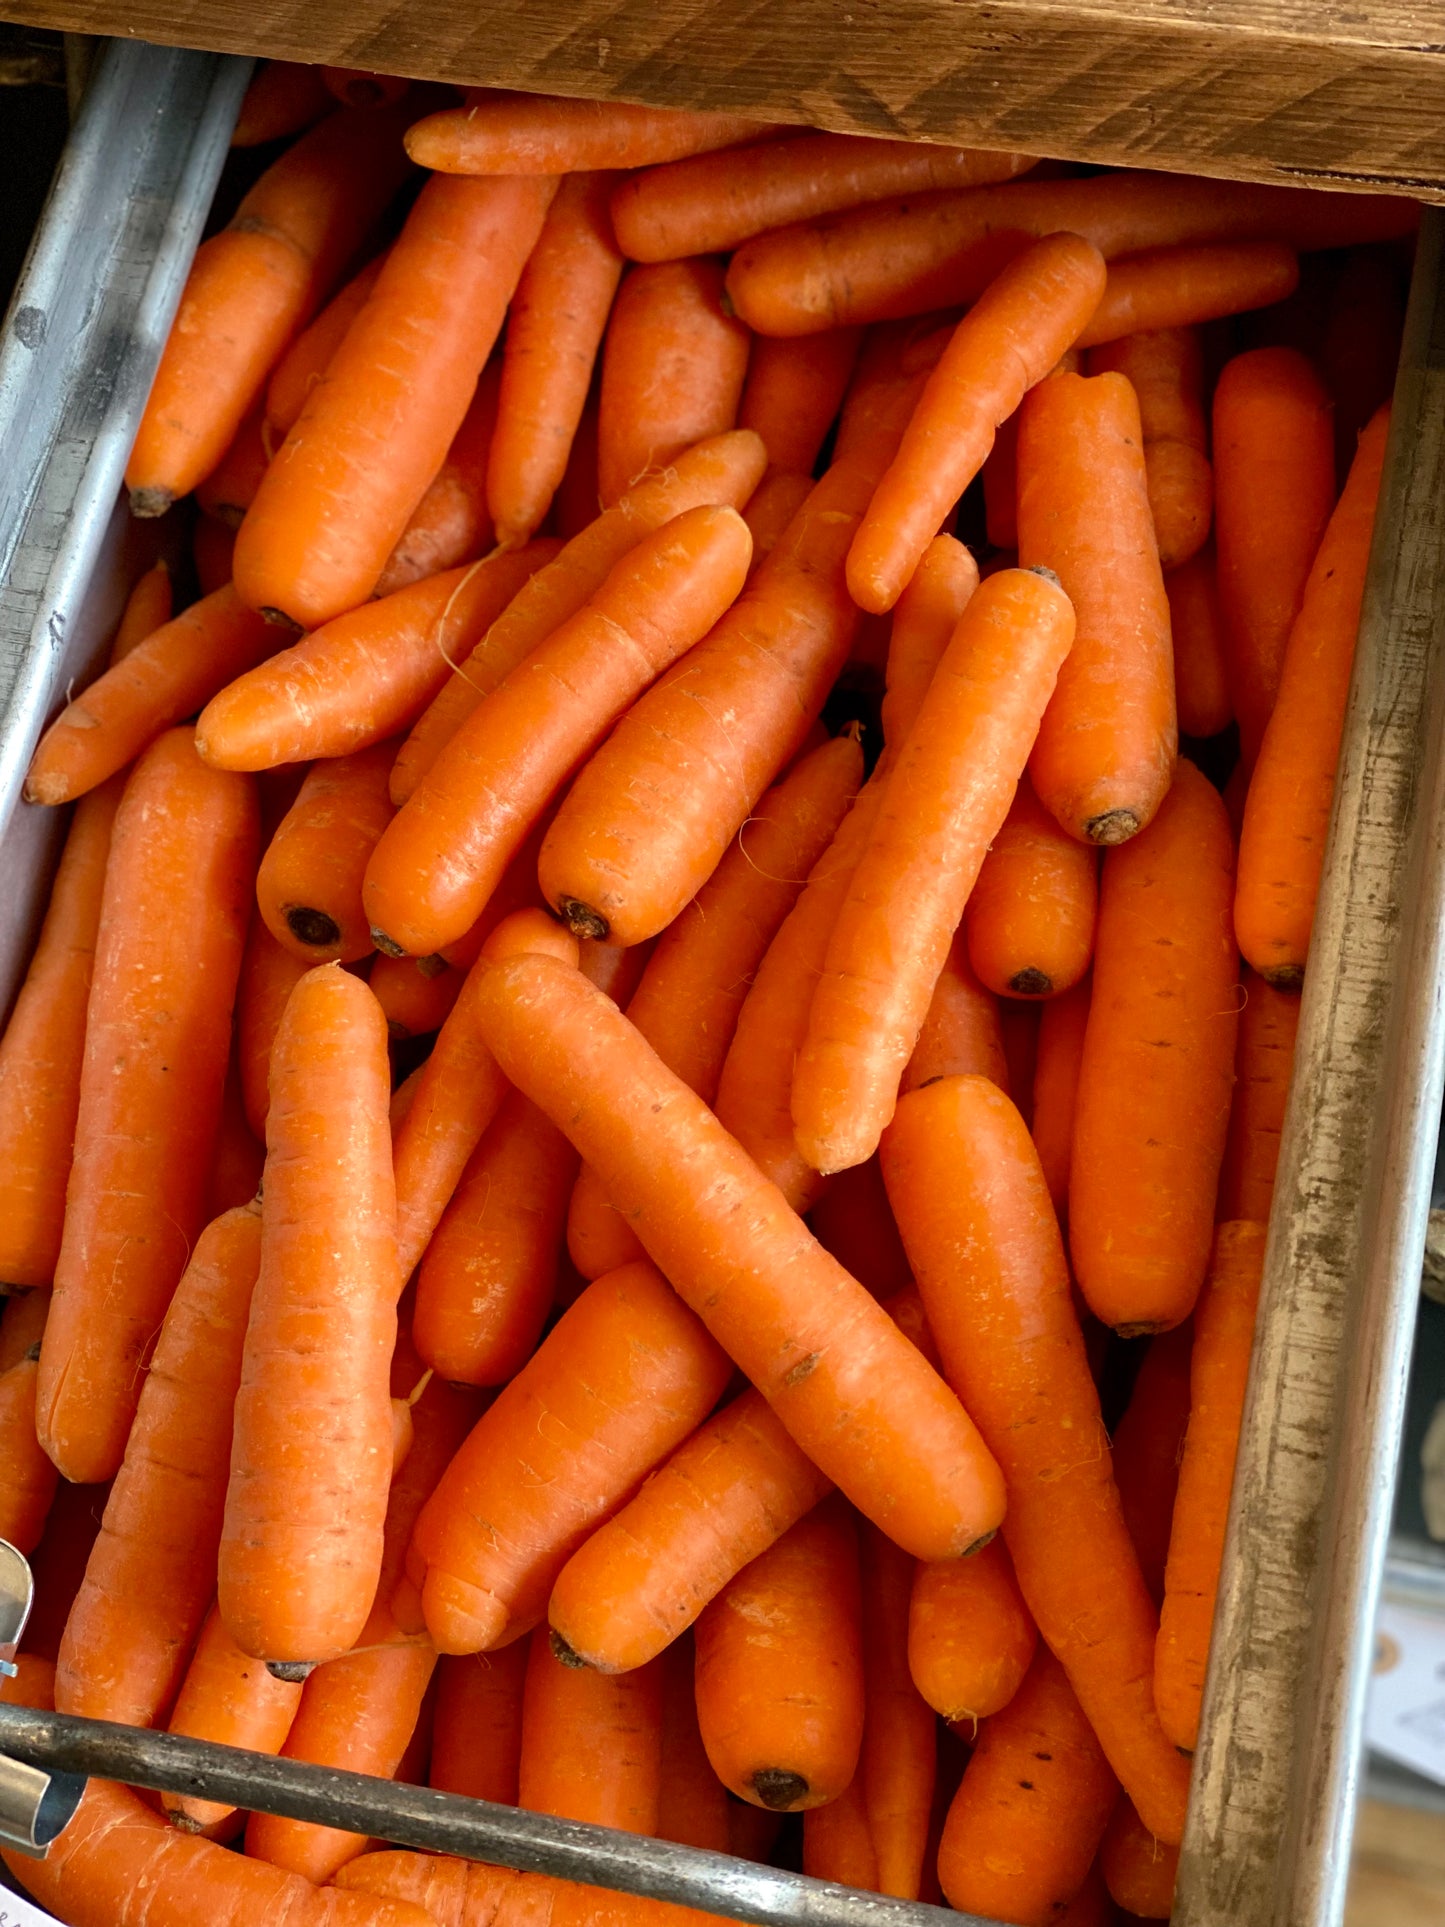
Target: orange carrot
[839,1843]
[808,1335]
[1196,621]
[1158,1063]
[149,605]
[477,1732]
[1030,917]
[1183,286]
[770,512]
[31,1684]
[455,1893]
[1147,1443]
[376,430]
[854,1221]
[250,288]
[1011,1346]
[780,1693]
[899,1758]
[1218,1374]
[415,1002]
[284,97]
[234,1700]
[1274,487]
[1263,1066]
[211,546]
[359,87]
[1361,346]
[156,1046]
[1166,371]
[305,362]
[302,1541]
[591,1745]
[693,1805]
[27,1477]
[794,390]
[971,1638]
[309,884]
[1018,1025]
[22,1325]
[1105,754]
[230,488]
[43,1049]
[509,133]
[1062,1024]
[268,976]
[1139,1871]
[961,1031]
[451,524]
[1035,1799]
[1287,812]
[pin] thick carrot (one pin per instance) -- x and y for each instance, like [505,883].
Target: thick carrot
[43,1049]
[1287,811]
[1218,1375]
[230,488]
[234,1700]
[793,393]
[1147,1443]
[853,1220]
[360,87]
[169,675]
[1183,286]
[839,1843]
[961,1031]
[308,887]
[898,1763]
[1274,487]
[849,1387]
[589,1414]
[451,523]
[27,1476]
[1153,1096]
[780,1694]
[1031,914]
[455,1893]
[157,1041]
[1105,754]
[212,544]
[1006,343]
[1166,371]
[284,97]
[250,288]
[1139,1871]
[971,1638]
[311,1462]
[359,679]
[1263,1066]
[305,362]
[509,133]
[1361,347]
[268,976]
[376,430]
[1062,1024]
[477,1730]
[591,1745]
[150,603]
[1196,622]
[415,1001]
[1035,1799]
[1011,1346]
[946,798]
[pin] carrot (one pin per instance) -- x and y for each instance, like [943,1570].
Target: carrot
[592,1411]
[305,362]
[1153,1095]
[854,1221]
[284,97]
[162,1521]
[168,676]
[440,860]
[770,512]
[1018,1024]
[1218,1374]
[1147,1443]
[1196,622]
[1032,1807]
[839,1843]
[1030,917]
[359,679]
[1274,488]
[946,798]
[43,1049]
[27,1477]
[302,1540]
[477,1733]
[710,204]
[1012,1348]
[359,87]
[1139,1871]
[250,288]
[509,133]
[793,392]
[233,1700]
[693,1805]
[1166,371]
[1105,753]
[376,430]
[688,1002]
[268,976]
[1182,286]
[905,257]
[230,488]
[309,884]
[961,1031]
[591,1745]
[211,546]
[455,1893]
[148,606]
[809,1336]
[31,1684]
[1361,347]
[971,1638]
[724,470]
[1287,811]
[22,1325]
[450,524]
[1263,1066]
[780,1695]
[414,1002]
[1008,341]
[899,1758]
[156,1045]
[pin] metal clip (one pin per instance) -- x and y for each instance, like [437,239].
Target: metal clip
[35,1806]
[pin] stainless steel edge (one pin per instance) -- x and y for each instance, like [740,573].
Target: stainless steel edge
[1271,1814]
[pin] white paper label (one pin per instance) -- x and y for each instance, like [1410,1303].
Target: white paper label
[1405,1716]
[17,1911]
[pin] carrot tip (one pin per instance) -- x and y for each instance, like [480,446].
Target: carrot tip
[184,1823]
[1030,983]
[147,503]
[582,920]
[1114,826]
[388,946]
[432,966]
[1039,568]
[281,620]
[779,1788]
[1284,976]
[564,1654]
[313,927]
[988,1537]
[292,1671]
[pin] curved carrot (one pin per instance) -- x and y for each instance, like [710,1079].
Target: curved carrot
[780,1668]
[946,797]
[311,1462]
[1105,753]
[156,1047]
[1166,371]
[971,1638]
[1263,1067]
[1274,488]
[1196,622]
[234,1700]
[591,1745]
[415,1002]
[230,488]
[693,1806]
[1062,1024]
[377,429]
[498,132]
[1011,1346]
[250,288]
[268,976]
[1287,810]
[169,675]
[839,1843]
[1183,286]
[43,1050]
[284,97]
[149,605]
[794,390]
[1030,916]
[305,362]
[1147,1443]
[961,1031]
[450,524]
[1218,1375]
[898,1763]
[27,1476]
[1139,1871]
[309,884]
[854,1221]
[360,87]
[849,1387]
[1031,1810]
[1158,1064]
[477,1730]
[212,544]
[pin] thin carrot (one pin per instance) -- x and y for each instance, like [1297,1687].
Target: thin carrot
[793,392]
[1196,622]
[309,884]
[899,1757]
[838,1842]
[360,87]
[1062,1024]
[971,1638]
[849,1387]
[43,1049]
[27,1476]
[1361,347]
[233,1700]
[961,1031]
[440,860]
[1035,1799]
[1182,286]
[305,362]
[268,976]
[451,523]
[250,288]
[284,97]
[1139,1871]
[854,1221]
[415,1002]
[1147,1443]
[211,547]
[1011,1346]
[1158,1064]
[1287,811]
[302,1541]
[1274,487]
[780,1694]
[156,1046]
[1218,1375]
[1166,371]
[509,133]
[230,488]
[149,605]
[377,429]
[168,676]
[1031,914]
[477,1731]
[1263,1066]
[591,1745]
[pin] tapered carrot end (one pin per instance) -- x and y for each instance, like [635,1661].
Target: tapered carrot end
[281,620]
[291,1672]
[873,587]
[388,946]
[46,786]
[564,1654]
[460,1617]
[582,920]
[147,503]
[778,1789]
[1113,827]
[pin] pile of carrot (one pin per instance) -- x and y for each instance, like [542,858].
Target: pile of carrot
[640,1005]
